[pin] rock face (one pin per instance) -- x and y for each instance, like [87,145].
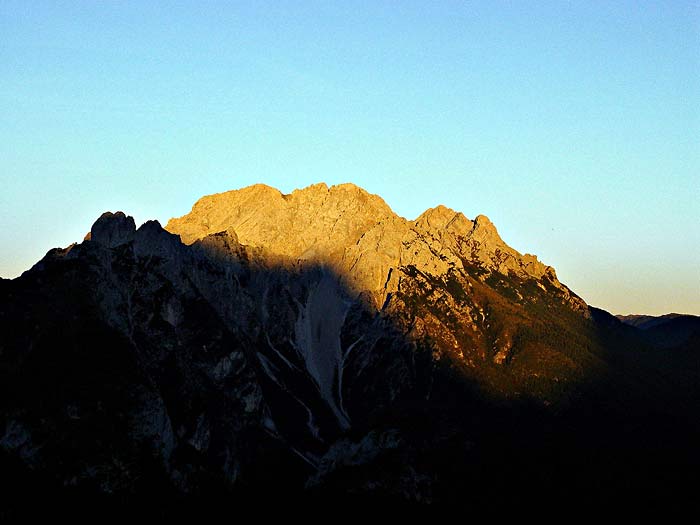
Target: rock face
[314,344]
[113,229]
[358,237]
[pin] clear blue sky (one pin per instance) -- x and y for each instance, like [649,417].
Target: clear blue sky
[575,126]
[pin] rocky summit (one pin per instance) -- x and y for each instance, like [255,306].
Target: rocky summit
[358,237]
[319,347]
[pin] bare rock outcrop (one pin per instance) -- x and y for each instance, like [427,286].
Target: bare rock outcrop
[358,236]
[112,229]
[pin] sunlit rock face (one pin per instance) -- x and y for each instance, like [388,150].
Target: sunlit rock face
[359,237]
[312,342]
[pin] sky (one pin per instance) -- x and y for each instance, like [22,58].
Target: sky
[575,126]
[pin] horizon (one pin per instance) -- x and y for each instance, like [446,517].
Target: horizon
[572,127]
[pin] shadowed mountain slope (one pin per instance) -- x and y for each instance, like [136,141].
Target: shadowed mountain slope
[665,331]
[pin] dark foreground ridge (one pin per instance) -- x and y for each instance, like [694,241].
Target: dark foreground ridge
[136,370]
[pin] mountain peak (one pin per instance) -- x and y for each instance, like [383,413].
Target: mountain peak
[112,229]
[441,217]
[483,220]
[262,214]
[485,231]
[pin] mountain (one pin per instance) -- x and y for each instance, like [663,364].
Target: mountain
[666,331]
[645,322]
[317,347]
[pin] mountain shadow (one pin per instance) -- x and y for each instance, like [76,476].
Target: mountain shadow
[138,371]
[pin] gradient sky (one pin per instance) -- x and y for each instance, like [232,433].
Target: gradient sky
[575,126]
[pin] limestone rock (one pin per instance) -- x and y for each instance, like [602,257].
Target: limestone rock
[357,235]
[113,229]
[152,239]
